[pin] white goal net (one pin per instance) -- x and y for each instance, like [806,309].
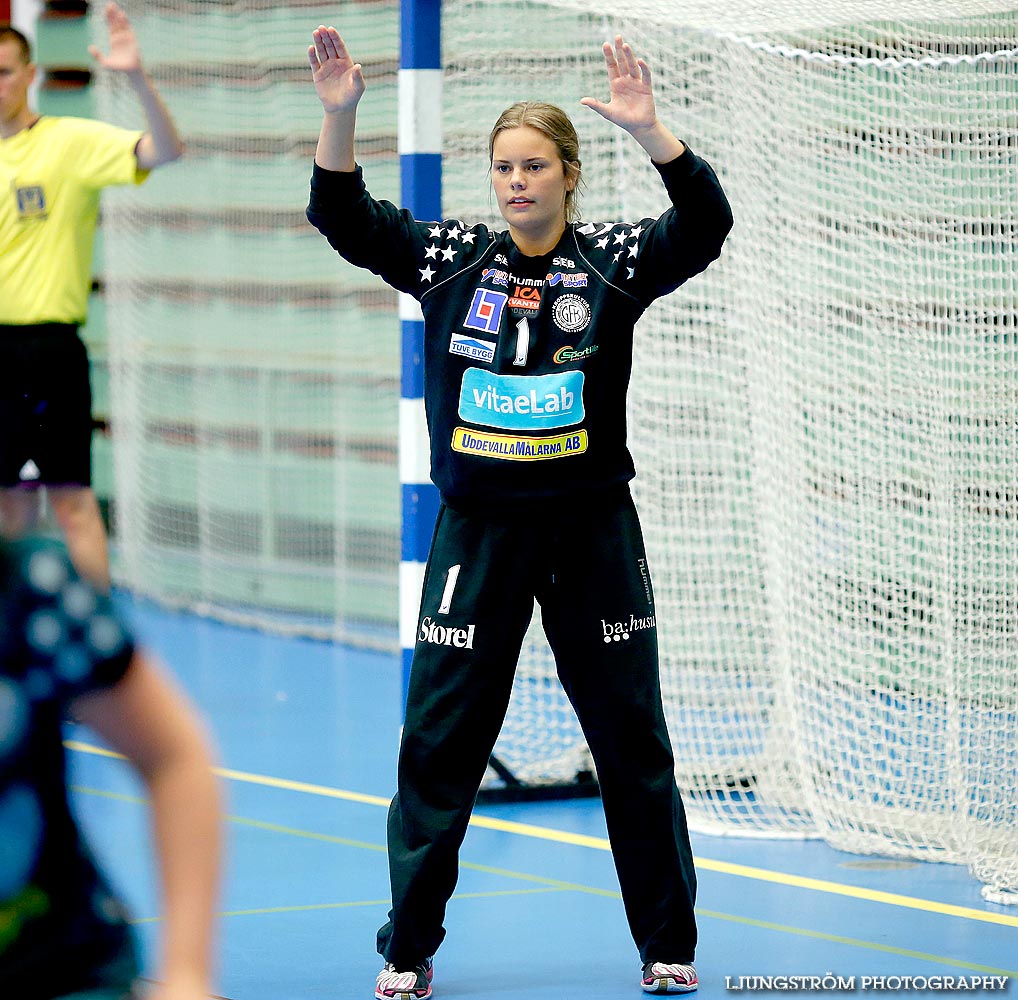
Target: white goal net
[254,377]
[825,424]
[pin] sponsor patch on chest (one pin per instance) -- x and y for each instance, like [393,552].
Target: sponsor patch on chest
[472,347]
[485,312]
[516,448]
[521,402]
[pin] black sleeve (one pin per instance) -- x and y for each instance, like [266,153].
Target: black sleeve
[371,234]
[689,235]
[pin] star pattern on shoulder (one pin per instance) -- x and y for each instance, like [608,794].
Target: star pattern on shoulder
[596,230]
[445,233]
[613,238]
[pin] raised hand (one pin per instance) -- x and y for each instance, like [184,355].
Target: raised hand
[631,104]
[124,55]
[338,79]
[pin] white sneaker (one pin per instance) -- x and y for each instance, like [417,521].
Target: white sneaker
[392,984]
[659,977]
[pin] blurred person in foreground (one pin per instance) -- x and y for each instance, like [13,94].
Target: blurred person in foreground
[65,653]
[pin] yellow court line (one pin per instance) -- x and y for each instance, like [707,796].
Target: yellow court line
[601,844]
[954,963]
[267,911]
[870,895]
[547,885]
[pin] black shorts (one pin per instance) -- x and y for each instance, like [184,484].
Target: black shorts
[45,407]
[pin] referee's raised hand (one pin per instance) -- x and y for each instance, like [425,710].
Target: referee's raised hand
[124,55]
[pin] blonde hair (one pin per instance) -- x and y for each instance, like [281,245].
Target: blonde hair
[551,121]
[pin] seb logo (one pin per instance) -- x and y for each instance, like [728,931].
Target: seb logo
[521,402]
[446,635]
[620,631]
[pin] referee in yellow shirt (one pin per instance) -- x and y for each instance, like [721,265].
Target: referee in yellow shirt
[52,171]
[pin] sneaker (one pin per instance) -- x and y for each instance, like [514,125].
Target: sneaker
[413,985]
[660,977]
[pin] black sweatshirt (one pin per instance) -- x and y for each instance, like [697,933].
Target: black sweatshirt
[527,359]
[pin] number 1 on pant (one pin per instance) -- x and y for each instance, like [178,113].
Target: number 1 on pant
[450,586]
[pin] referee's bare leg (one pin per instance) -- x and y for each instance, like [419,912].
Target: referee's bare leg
[76,511]
[19,510]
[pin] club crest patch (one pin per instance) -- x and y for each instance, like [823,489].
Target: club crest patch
[571,313]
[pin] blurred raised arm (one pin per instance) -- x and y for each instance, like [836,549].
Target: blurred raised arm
[161,143]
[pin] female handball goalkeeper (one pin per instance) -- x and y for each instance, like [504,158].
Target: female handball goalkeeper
[528,355]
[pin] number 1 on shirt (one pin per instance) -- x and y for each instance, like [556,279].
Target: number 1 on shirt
[522,342]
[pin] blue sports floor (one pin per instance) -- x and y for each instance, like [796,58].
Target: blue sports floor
[307,738]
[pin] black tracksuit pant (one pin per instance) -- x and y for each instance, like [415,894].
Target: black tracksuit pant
[584,561]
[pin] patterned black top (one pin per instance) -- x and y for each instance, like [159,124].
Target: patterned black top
[527,360]
[60,924]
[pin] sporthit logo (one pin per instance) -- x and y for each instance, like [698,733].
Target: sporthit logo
[618,631]
[443,635]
